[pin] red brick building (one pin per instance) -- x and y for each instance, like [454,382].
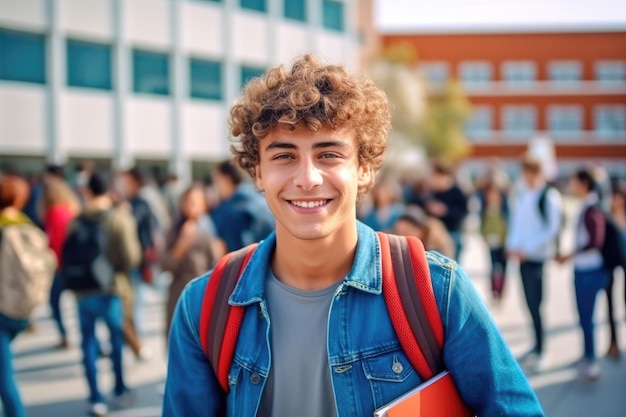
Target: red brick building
[569,87]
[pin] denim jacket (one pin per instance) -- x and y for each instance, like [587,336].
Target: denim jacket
[362,345]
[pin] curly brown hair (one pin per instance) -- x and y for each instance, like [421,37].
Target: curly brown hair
[315,96]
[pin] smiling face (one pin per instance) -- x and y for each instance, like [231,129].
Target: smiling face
[310,180]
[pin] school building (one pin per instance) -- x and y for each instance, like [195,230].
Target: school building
[566,86]
[148,82]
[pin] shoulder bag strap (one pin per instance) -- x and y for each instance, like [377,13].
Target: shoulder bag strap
[219,321]
[410,299]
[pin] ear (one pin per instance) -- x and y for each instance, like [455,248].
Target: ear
[365,175]
[258,178]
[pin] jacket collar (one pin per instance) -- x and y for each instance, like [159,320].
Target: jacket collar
[365,274]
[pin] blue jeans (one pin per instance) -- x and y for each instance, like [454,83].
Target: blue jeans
[138,300]
[10,396]
[532,280]
[108,308]
[55,303]
[587,284]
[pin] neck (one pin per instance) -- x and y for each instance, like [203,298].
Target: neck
[314,264]
[11,212]
[100,203]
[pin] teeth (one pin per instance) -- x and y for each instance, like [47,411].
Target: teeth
[309,204]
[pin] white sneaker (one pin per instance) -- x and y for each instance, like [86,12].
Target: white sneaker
[589,371]
[99,409]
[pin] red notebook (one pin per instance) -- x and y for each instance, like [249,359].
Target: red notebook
[437,397]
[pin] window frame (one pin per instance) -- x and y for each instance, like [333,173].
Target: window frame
[517,133]
[507,66]
[567,109]
[197,94]
[35,74]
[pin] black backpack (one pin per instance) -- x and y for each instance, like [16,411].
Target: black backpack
[85,265]
[613,249]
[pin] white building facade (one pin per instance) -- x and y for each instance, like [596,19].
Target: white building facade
[147,82]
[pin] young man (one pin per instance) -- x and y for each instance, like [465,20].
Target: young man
[316,337]
[534,227]
[123,252]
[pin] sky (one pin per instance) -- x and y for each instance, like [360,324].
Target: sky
[442,15]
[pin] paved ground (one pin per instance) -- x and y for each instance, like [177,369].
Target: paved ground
[52,382]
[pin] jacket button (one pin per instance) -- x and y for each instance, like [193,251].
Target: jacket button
[255,378]
[397,367]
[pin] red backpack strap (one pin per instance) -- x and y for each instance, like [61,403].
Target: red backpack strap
[219,321]
[410,299]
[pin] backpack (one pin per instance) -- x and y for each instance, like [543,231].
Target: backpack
[407,290]
[543,212]
[27,266]
[85,265]
[613,248]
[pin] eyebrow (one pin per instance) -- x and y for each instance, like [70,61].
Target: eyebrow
[318,145]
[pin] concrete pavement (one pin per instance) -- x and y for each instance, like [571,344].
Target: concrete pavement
[52,382]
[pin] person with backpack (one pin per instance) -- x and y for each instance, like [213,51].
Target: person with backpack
[590,272]
[26,270]
[100,250]
[535,221]
[305,327]
[242,217]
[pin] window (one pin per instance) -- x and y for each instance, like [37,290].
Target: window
[205,79]
[295,9]
[248,73]
[333,15]
[610,71]
[610,121]
[436,73]
[257,5]
[480,123]
[519,73]
[475,73]
[151,72]
[88,65]
[565,72]
[565,121]
[519,121]
[22,57]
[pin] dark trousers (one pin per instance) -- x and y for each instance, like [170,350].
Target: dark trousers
[498,271]
[532,280]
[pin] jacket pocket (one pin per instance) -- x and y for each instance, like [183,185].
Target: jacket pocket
[246,387]
[390,375]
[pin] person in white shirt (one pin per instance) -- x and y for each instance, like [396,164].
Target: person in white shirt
[534,227]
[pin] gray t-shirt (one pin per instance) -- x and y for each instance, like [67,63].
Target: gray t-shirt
[299,382]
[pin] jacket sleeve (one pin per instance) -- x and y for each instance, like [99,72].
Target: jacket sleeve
[191,388]
[487,375]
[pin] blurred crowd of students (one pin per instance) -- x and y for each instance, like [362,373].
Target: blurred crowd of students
[152,231]
[182,229]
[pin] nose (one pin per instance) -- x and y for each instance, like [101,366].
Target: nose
[308,176]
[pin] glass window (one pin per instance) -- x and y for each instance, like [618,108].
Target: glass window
[22,57]
[295,9]
[206,79]
[333,15]
[519,121]
[565,72]
[258,5]
[610,71]
[565,121]
[151,72]
[475,73]
[88,65]
[436,73]
[480,123]
[610,121]
[519,73]
[248,73]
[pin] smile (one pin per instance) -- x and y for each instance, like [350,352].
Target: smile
[308,204]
